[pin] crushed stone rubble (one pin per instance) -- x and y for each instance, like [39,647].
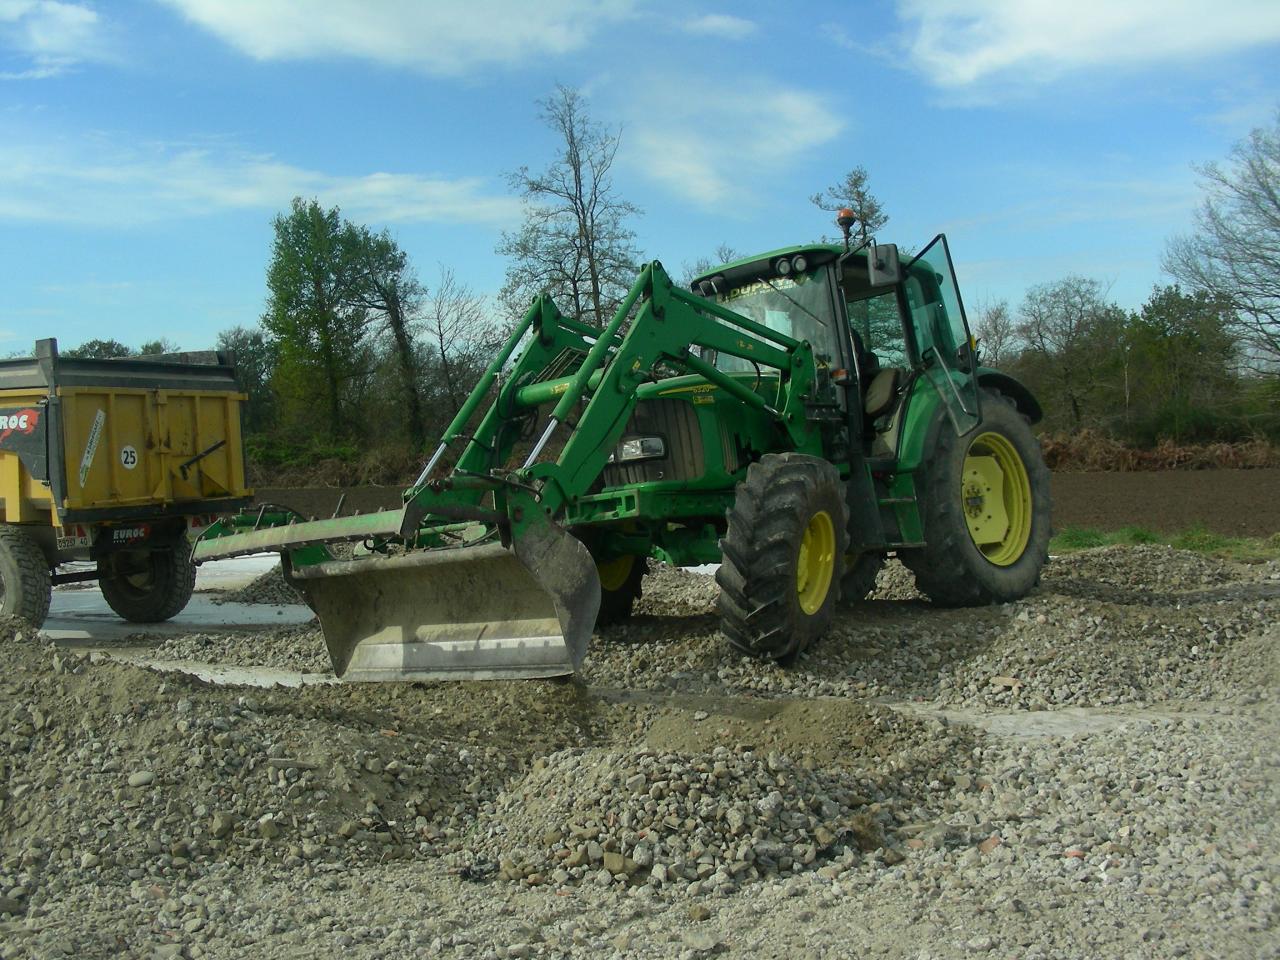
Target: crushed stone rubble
[269,587]
[1209,632]
[674,800]
[297,647]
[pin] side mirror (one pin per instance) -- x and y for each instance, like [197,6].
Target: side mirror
[883,267]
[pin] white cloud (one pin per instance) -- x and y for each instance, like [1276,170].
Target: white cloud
[958,43]
[106,183]
[710,142]
[437,37]
[721,25]
[49,37]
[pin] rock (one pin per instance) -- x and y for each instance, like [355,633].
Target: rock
[980,944]
[89,860]
[348,829]
[700,941]
[12,906]
[616,863]
[698,912]
[268,829]
[141,778]
[221,825]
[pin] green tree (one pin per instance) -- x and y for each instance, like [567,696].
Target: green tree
[853,192]
[388,288]
[317,315]
[1178,373]
[255,359]
[155,348]
[99,350]
[575,243]
[1234,254]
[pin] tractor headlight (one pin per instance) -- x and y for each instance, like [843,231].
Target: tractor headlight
[639,448]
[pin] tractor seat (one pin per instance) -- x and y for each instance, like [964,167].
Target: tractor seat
[882,393]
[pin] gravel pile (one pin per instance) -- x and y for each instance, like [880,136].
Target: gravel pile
[298,647]
[916,786]
[270,588]
[722,817]
[1208,633]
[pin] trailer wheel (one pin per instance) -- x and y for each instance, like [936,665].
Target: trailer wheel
[782,556]
[25,581]
[860,576]
[620,587]
[986,511]
[148,586]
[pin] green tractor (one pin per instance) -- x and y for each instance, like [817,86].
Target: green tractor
[795,417]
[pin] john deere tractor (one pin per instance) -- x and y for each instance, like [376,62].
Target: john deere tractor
[795,417]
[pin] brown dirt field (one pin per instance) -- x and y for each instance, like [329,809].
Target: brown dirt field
[1229,502]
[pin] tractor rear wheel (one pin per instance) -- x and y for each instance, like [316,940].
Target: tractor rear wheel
[860,576]
[782,556]
[620,587]
[148,586]
[985,506]
[25,581]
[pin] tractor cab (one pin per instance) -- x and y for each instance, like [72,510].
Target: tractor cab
[904,321]
[907,321]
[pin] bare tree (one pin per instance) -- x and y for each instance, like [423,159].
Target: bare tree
[458,327]
[575,242]
[1234,255]
[994,329]
[853,192]
[704,264]
[1066,326]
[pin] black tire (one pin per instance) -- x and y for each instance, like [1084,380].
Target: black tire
[951,569]
[148,586]
[26,586]
[860,577]
[618,595]
[761,575]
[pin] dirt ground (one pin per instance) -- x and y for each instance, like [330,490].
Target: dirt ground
[1229,502]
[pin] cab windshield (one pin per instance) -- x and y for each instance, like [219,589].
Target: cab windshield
[799,307]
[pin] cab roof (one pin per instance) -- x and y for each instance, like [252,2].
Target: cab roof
[764,264]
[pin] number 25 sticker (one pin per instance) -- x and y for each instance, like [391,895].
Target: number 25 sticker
[128,457]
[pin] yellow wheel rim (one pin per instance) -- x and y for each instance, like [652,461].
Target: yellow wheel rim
[817,562]
[995,492]
[613,573]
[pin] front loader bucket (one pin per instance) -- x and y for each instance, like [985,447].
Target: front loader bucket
[480,612]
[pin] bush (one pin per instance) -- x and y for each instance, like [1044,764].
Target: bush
[1090,451]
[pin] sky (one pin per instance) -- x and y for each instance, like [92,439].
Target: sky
[146,145]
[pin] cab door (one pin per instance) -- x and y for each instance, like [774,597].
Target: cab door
[941,332]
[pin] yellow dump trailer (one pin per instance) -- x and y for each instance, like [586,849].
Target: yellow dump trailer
[117,462]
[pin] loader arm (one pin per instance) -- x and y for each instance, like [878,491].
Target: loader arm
[670,327]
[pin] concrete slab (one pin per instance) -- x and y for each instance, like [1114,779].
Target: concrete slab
[79,615]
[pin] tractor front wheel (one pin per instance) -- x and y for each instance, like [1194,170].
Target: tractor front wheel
[148,586]
[985,505]
[620,587]
[783,554]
